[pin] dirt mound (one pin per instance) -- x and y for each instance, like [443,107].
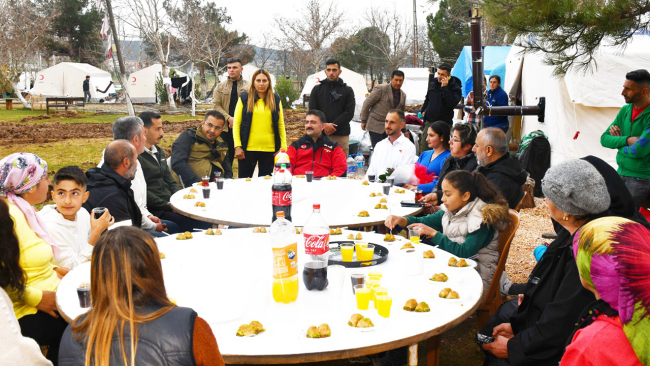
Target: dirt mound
[65,114]
[294,124]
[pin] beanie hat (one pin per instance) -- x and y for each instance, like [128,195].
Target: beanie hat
[576,187]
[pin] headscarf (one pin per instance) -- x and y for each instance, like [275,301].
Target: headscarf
[19,173]
[613,256]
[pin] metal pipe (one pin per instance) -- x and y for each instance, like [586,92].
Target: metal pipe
[477,57]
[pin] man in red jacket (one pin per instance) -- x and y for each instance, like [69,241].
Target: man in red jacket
[315,151]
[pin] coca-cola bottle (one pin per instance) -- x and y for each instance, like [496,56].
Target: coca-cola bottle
[316,233]
[281,196]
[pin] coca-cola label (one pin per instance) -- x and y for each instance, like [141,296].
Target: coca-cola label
[281,198]
[317,244]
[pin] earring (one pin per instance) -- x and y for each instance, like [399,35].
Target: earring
[565,218]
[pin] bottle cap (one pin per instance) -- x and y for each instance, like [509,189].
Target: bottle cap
[316,206]
[283,166]
[279,214]
[283,149]
[282,170]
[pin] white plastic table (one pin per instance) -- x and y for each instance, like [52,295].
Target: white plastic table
[227,281]
[248,203]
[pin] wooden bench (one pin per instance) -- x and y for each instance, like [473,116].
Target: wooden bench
[59,102]
[9,104]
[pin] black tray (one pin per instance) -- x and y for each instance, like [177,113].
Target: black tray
[380,255]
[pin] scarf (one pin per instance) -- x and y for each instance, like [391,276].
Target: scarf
[19,173]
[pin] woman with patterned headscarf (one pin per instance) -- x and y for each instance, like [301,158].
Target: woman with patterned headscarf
[24,183]
[613,258]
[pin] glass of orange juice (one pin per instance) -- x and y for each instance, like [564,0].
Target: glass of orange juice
[384,303]
[379,291]
[372,284]
[357,248]
[362,293]
[379,275]
[367,252]
[347,252]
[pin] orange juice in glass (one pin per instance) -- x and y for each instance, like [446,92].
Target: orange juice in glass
[347,252]
[379,291]
[367,252]
[363,295]
[357,247]
[384,303]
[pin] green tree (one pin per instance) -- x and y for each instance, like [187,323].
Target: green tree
[569,32]
[448,29]
[76,28]
[284,88]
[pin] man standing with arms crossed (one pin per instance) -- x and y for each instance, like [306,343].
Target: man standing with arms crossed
[382,99]
[630,135]
[336,100]
[226,95]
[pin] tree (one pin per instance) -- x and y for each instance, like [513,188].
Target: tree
[394,47]
[266,52]
[76,30]
[569,32]
[311,30]
[448,32]
[24,23]
[284,88]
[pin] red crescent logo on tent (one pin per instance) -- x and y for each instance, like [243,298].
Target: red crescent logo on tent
[134,79]
[42,77]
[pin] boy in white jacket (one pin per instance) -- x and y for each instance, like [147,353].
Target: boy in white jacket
[73,229]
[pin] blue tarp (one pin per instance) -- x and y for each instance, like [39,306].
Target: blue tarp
[494,60]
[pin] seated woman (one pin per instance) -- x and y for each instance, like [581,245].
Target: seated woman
[469,223]
[438,141]
[15,349]
[130,299]
[24,183]
[613,258]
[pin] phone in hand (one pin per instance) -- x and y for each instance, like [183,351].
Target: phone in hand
[483,339]
[411,203]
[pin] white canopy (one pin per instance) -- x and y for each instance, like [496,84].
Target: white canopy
[142,83]
[247,73]
[66,79]
[416,83]
[585,103]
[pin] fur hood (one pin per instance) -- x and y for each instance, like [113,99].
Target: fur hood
[496,215]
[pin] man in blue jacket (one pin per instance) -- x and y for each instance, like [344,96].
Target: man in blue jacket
[496,96]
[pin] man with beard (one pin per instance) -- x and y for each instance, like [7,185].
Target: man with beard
[315,151]
[394,150]
[630,135]
[110,185]
[443,96]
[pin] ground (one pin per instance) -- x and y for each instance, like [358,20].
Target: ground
[71,138]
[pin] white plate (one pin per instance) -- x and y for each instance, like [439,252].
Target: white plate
[472,264]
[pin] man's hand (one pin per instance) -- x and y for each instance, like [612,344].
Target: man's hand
[160,227]
[48,303]
[444,82]
[498,348]
[363,125]
[632,140]
[504,330]
[239,153]
[230,121]
[431,198]
[614,131]
[409,186]
[61,271]
[424,230]
[330,128]
[154,219]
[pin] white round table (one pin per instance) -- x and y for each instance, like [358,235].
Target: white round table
[227,280]
[248,203]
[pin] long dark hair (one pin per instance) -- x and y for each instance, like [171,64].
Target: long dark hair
[441,129]
[477,185]
[12,276]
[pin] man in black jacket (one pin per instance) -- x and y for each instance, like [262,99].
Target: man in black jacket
[443,95]
[86,87]
[110,185]
[498,167]
[336,100]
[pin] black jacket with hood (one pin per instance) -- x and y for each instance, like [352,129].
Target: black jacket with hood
[339,111]
[440,100]
[506,174]
[113,191]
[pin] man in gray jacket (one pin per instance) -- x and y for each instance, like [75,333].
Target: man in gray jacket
[382,99]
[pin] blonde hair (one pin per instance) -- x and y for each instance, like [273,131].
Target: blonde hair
[125,273]
[252,92]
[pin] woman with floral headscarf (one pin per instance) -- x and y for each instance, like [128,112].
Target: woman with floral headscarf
[24,183]
[613,258]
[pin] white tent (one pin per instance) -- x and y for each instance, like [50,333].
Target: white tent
[416,83]
[66,79]
[142,83]
[247,74]
[356,81]
[585,103]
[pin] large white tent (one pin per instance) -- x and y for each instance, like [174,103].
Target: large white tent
[66,79]
[585,103]
[416,83]
[247,74]
[356,81]
[142,83]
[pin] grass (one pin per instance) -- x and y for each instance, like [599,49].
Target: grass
[17,114]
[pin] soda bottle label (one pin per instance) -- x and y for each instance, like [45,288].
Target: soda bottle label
[285,261]
[281,198]
[317,244]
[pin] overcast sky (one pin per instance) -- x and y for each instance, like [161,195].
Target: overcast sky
[254,17]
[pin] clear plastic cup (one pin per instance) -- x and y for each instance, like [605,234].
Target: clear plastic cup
[384,303]
[414,234]
[357,279]
[363,295]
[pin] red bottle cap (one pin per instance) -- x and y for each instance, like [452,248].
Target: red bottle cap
[316,206]
[279,214]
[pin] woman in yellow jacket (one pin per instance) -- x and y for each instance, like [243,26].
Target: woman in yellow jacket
[24,183]
[258,129]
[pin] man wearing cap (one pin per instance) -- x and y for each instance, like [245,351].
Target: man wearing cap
[226,95]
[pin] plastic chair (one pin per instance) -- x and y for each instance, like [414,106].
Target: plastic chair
[492,299]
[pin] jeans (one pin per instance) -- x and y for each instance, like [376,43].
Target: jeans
[46,330]
[86,96]
[171,226]
[376,137]
[227,137]
[183,223]
[639,188]
[502,315]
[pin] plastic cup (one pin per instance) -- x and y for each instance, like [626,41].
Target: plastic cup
[98,212]
[83,291]
[220,183]
[357,279]
[310,176]
[379,291]
[375,274]
[335,278]
[414,234]
[390,181]
[206,192]
[386,188]
[347,252]
[357,248]
[384,303]
[371,178]
[363,295]
[366,252]
[372,285]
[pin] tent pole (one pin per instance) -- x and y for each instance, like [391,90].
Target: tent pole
[118,49]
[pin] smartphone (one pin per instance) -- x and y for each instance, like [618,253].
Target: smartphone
[411,203]
[483,339]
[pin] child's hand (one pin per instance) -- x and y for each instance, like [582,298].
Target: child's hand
[424,230]
[101,223]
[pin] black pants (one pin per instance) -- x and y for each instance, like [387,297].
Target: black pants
[503,315]
[184,223]
[45,330]
[376,137]
[227,137]
[253,158]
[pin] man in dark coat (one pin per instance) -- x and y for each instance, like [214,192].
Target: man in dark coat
[110,185]
[443,95]
[498,167]
[335,99]
[86,87]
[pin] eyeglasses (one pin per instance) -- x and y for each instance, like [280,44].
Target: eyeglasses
[233,59]
[211,126]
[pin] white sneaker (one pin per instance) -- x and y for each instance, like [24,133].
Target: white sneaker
[504,284]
